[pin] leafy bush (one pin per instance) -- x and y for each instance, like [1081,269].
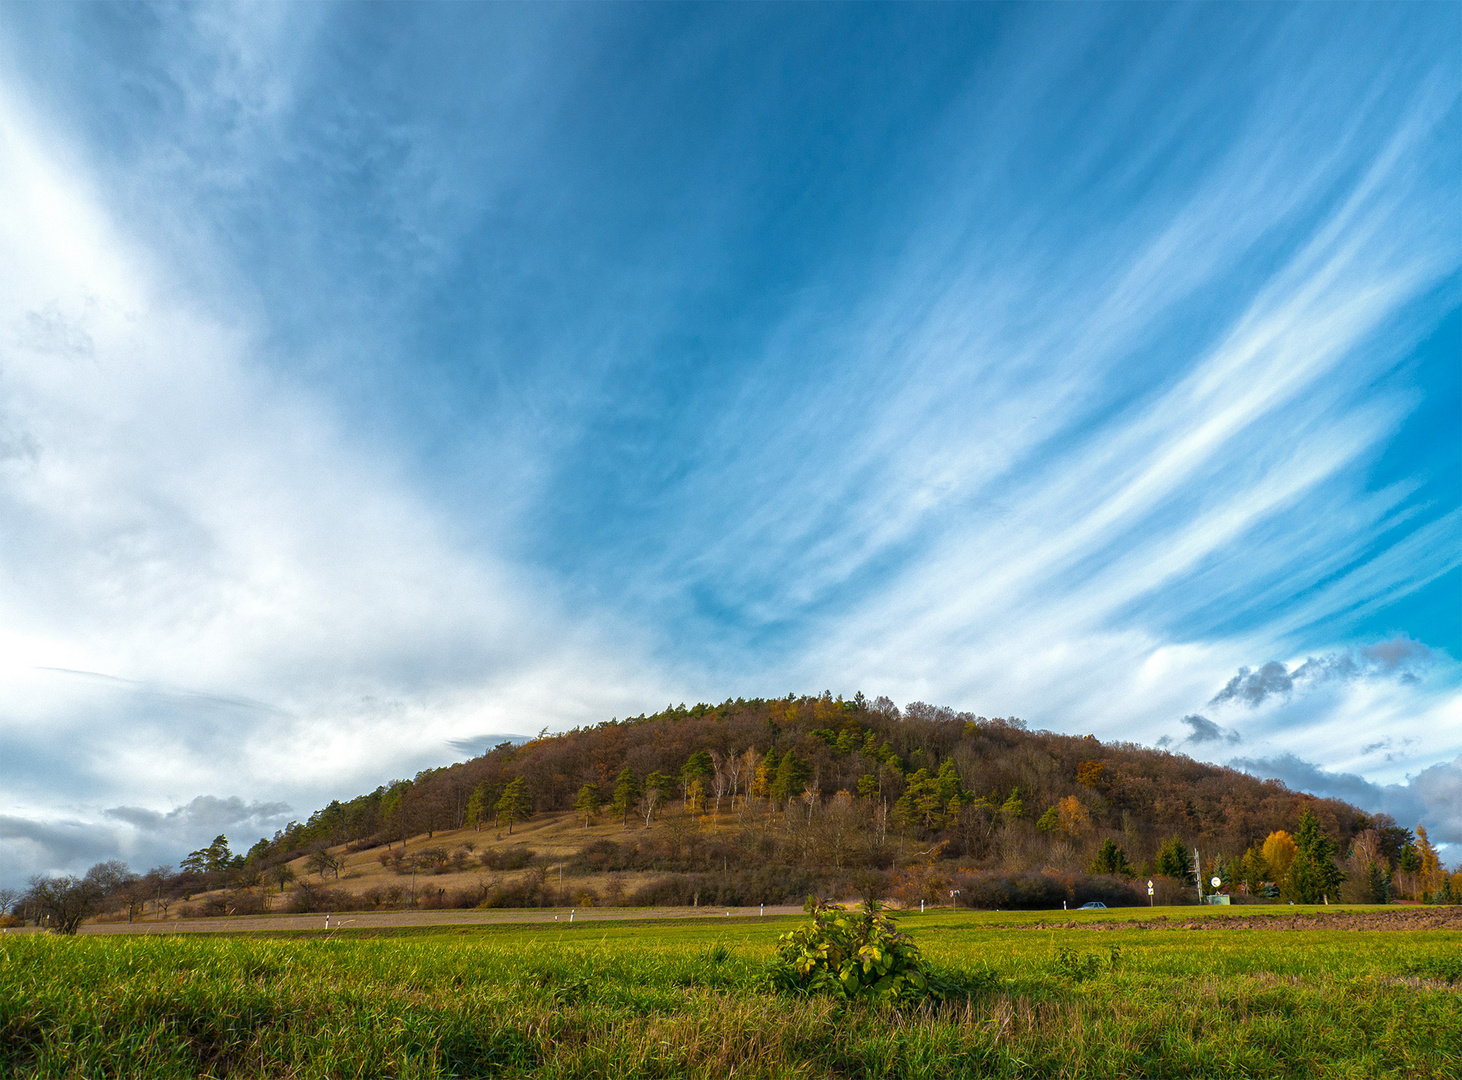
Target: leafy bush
[528,892]
[1013,892]
[600,855]
[1079,967]
[232,902]
[743,888]
[312,898]
[512,858]
[1109,889]
[383,897]
[852,956]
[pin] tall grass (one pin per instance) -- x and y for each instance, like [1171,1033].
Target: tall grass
[689,1001]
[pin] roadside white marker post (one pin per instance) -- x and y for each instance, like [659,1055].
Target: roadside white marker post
[763,907]
[572,911]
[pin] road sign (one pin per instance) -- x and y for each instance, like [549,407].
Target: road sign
[1215,881]
[1149,887]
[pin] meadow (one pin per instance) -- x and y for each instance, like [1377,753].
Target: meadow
[690,999]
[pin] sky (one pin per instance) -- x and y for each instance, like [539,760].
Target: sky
[379,380]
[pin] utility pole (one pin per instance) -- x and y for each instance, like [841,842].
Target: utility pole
[1198,874]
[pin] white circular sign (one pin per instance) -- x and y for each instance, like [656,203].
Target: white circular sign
[1215,881]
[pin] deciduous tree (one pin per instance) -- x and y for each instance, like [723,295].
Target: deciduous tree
[62,902]
[1279,851]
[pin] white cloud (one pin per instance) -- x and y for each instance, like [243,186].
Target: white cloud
[206,585]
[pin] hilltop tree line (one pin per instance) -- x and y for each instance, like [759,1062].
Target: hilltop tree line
[823,789]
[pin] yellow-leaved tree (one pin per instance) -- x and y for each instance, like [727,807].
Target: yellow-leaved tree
[1074,817]
[1432,875]
[1279,851]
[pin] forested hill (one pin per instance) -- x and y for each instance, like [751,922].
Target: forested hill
[820,781]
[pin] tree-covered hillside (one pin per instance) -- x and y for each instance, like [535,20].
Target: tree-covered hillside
[833,785]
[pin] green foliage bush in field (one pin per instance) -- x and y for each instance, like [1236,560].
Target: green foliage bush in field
[852,955]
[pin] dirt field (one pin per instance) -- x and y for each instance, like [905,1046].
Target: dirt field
[1275,918]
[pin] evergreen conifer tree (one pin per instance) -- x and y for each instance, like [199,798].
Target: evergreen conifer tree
[626,794]
[1174,860]
[1313,876]
[1110,859]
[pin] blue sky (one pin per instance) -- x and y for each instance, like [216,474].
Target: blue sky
[378,378]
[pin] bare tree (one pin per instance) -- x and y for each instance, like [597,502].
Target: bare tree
[63,901]
[322,862]
[750,759]
[733,776]
[719,762]
[648,802]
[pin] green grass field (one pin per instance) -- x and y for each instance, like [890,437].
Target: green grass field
[687,999]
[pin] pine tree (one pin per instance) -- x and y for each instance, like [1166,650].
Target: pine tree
[626,794]
[1013,807]
[587,802]
[1313,876]
[514,804]
[477,805]
[792,773]
[1110,859]
[1254,870]
[1377,884]
[698,767]
[1174,860]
